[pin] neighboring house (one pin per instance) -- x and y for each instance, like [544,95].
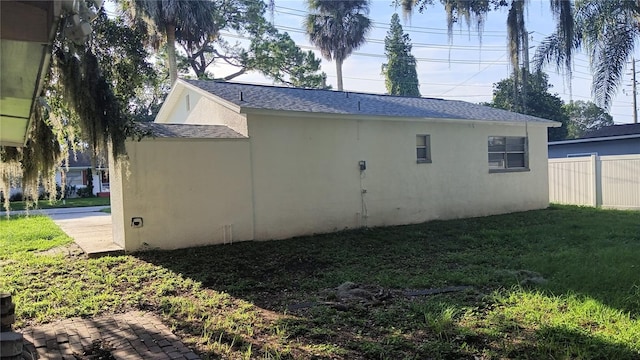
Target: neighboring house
[609,140]
[232,162]
[76,174]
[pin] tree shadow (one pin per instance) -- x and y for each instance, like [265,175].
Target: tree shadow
[476,252]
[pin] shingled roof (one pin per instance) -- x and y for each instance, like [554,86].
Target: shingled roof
[614,130]
[352,103]
[189,131]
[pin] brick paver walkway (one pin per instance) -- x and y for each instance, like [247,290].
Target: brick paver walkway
[132,335]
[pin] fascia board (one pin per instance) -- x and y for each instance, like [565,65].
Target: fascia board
[305,114]
[604,138]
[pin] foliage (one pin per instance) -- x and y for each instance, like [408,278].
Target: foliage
[88,97]
[584,117]
[401,77]
[90,181]
[239,301]
[337,28]
[167,19]
[269,52]
[532,98]
[608,31]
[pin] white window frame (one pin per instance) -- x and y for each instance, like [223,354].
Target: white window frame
[504,165]
[426,140]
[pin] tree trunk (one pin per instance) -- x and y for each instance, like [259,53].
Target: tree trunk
[171,52]
[339,73]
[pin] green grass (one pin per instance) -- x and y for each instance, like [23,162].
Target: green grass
[559,283]
[67,203]
[23,234]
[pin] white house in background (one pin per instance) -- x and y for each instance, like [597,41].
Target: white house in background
[232,162]
[76,174]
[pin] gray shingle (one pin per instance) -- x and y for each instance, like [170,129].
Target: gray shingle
[338,102]
[614,130]
[190,131]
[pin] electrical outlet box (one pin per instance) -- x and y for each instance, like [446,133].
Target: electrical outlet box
[362,165]
[136,222]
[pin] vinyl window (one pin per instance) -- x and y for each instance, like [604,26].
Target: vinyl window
[508,153]
[423,148]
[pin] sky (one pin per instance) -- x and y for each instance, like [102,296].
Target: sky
[464,68]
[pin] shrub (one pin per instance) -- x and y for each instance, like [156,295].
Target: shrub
[16,197]
[85,192]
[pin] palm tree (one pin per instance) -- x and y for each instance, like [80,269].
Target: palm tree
[337,28]
[475,11]
[171,17]
[608,31]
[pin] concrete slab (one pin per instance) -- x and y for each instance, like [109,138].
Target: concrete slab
[91,230]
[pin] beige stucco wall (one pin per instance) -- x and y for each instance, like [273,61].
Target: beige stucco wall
[188,192]
[200,110]
[296,176]
[116,171]
[307,180]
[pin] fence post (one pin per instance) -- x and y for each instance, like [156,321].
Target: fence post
[598,181]
[594,180]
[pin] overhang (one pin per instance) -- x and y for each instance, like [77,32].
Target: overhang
[27,30]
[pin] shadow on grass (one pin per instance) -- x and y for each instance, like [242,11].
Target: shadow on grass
[586,252]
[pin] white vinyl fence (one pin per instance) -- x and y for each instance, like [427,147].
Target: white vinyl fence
[606,181]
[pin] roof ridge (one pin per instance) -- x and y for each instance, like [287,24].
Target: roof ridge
[313,89]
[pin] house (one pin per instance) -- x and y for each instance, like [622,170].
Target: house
[232,162]
[78,172]
[609,140]
[75,175]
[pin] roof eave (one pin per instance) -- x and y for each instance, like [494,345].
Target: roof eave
[262,111]
[596,139]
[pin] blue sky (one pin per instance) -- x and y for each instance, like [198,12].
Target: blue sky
[464,69]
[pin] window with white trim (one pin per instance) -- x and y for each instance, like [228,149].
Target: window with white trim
[508,152]
[423,148]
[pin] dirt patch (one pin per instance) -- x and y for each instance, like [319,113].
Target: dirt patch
[70,250]
[96,351]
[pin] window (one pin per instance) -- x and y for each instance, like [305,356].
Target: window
[423,148]
[508,152]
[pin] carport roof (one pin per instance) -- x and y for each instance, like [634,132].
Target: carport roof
[264,97]
[189,131]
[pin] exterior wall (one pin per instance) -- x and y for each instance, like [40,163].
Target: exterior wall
[608,181]
[117,174]
[307,180]
[601,148]
[203,111]
[187,192]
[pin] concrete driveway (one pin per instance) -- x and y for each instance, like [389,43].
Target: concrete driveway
[89,227]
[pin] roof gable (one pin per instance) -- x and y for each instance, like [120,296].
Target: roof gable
[262,97]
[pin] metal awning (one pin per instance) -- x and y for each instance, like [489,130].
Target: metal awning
[27,30]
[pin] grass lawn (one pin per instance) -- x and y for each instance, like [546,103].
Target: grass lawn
[75,202]
[560,283]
